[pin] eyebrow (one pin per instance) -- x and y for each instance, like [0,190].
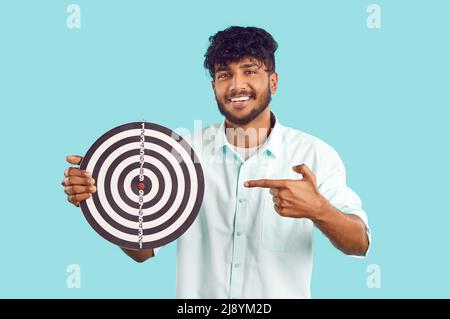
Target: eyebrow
[222,68]
[242,66]
[248,65]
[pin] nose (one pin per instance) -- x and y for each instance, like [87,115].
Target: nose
[238,83]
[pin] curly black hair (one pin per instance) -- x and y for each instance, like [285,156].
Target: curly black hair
[234,43]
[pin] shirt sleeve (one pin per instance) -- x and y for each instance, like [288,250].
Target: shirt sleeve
[156,250]
[333,187]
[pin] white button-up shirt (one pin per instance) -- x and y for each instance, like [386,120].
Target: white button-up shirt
[239,247]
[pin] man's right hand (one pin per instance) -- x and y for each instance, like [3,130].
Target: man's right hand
[78,184]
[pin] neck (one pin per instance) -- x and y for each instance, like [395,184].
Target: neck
[251,134]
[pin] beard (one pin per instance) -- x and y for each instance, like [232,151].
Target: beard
[254,113]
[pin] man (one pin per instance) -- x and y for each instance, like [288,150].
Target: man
[266,187]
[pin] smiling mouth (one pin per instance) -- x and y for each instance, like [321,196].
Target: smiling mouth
[240,100]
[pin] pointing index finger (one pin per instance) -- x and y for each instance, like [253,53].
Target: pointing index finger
[266,183]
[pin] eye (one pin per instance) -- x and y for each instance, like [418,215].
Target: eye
[250,72]
[223,75]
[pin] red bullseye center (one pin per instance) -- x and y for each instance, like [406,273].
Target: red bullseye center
[141,185]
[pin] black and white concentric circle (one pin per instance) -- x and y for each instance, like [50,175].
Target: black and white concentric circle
[173,185]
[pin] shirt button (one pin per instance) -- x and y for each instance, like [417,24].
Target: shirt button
[237,265]
[239,233]
[241,200]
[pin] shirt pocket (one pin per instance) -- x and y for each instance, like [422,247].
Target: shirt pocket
[284,233]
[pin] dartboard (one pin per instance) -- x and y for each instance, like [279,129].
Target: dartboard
[149,183]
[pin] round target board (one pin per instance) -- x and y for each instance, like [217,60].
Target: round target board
[149,183]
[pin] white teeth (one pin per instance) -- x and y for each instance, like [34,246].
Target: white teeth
[240,99]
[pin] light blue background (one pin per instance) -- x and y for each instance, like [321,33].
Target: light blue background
[379,97]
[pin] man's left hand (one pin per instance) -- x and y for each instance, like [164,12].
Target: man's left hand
[298,198]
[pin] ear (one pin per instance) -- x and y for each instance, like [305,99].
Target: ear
[273,81]
[213,84]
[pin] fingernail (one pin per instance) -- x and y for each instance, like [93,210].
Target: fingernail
[246,184]
[92,181]
[87,174]
[92,189]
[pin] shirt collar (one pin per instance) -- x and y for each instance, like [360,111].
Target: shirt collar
[272,146]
